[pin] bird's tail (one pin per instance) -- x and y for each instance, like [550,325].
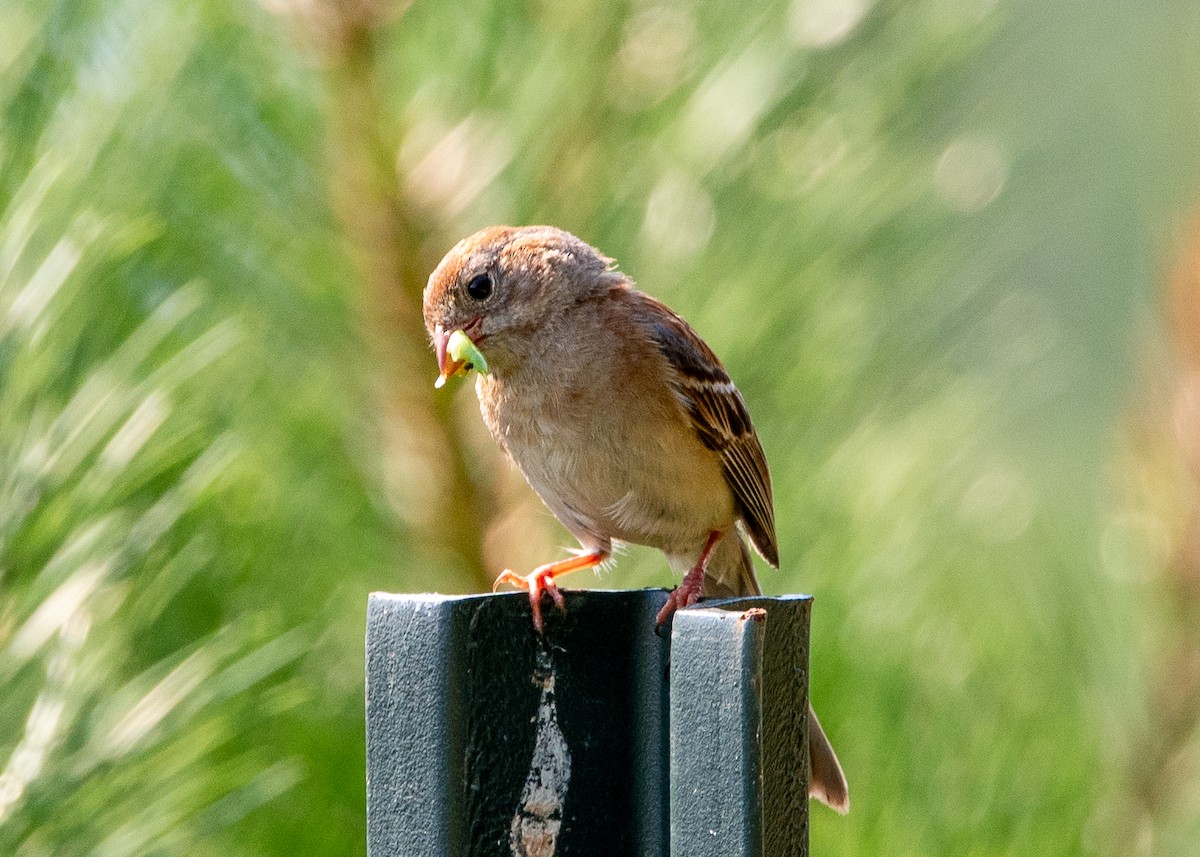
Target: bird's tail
[730,573]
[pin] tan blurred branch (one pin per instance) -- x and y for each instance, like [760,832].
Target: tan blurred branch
[427,458]
[1164,757]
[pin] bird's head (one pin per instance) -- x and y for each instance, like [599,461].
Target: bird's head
[503,287]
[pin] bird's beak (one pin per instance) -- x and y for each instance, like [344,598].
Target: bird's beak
[447,365]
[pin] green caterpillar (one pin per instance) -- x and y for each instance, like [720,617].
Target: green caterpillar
[460,347]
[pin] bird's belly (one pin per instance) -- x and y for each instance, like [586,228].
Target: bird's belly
[604,484]
[680,493]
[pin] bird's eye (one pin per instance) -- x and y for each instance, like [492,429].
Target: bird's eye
[480,287]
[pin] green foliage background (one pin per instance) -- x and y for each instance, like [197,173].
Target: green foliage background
[927,238]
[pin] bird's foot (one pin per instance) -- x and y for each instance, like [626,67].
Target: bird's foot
[540,582]
[684,595]
[687,592]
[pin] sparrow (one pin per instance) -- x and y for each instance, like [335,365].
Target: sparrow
[619,416]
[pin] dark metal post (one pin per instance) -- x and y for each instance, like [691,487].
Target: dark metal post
[485,739]
[739,736]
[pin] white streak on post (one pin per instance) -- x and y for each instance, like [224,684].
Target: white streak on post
[535,826]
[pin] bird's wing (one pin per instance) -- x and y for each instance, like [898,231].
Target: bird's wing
[719,418]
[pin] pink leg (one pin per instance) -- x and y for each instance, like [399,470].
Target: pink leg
[541,581]
[688,592]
